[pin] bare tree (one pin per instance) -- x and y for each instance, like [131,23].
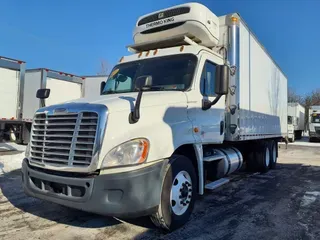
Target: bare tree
[104,67]
[294,97]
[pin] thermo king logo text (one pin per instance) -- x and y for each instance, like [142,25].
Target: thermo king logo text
[160,22]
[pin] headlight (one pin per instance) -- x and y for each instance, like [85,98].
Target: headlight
[128,153]
[27,152]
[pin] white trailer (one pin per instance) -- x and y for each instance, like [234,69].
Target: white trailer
[198,97]
[314,123]
[296,121]
[12,81]
[63,87]
[92,85]
[18,101]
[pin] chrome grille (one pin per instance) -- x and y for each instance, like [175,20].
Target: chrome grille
[64,139]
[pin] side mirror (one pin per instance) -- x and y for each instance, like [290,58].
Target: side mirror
[102,85]
[222,80]
[43,93]
[143,82]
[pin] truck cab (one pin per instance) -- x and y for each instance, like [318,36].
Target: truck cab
[314,123]
[174,118]
[291,125]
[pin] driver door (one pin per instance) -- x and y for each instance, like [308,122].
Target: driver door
[209,123]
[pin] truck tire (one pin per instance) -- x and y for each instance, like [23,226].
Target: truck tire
[264,157]
[273,147]
[259,159]
[178,195]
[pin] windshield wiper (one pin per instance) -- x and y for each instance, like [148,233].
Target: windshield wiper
[109,92]
[155,88]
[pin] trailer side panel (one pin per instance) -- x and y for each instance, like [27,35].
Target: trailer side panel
[9,92]
[31,104]
[62,91]
[262,91]
[92,85]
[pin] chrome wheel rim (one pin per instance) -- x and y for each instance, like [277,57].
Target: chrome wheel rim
[267,157]
[274,153]
[181,193]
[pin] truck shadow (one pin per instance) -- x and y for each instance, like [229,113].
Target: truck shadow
[11,187]
[219,209]
[252,201]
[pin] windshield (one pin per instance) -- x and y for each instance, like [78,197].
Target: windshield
[315,118]
[168,73]
[289,120]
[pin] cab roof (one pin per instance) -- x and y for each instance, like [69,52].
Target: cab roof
[161,52]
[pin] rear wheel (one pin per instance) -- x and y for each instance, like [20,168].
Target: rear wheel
[260,158]
[273,146]
[178,194]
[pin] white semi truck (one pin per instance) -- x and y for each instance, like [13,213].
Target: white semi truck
[198,97]
[296,121]
[314,123]
[18,102]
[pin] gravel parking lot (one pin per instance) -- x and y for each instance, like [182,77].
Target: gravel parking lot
[282,204]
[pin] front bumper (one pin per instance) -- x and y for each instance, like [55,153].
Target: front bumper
[314,134]
[128,194]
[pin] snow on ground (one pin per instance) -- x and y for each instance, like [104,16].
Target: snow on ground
[11,146]
[10,162]
[303,142]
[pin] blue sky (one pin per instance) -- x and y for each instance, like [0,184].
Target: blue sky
[75,35]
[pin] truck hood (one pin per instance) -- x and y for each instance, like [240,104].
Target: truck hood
[126,101]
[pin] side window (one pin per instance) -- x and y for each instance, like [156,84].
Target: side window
[208,79]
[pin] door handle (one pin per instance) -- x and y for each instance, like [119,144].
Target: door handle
[221,127]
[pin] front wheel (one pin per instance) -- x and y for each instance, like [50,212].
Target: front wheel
[178,194]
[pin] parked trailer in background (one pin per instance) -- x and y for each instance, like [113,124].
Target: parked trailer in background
[296,121]
[63,87]
[18,101]
[198,96]
[92,85]
[12,82]
[314,123]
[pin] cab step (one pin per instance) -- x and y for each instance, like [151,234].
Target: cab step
[215,184]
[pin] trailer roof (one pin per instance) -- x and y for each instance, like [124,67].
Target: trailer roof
[91,76]
[13,64]
[54,71]
[11,59]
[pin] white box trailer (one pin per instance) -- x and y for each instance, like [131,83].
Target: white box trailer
[18,101]
[198,97]
[12,81]
[260,85]
[92,85]
[63,87]
[296,121]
